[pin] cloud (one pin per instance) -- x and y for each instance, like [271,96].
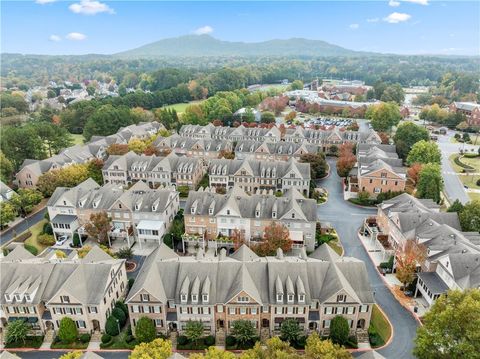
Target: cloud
[397,17]
[203,30]
[394,3]
[420,2]
[374,19]
[76,36]
[42,2]
[55,38]
[354,26]
[89,7]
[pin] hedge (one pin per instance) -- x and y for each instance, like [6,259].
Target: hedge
[461,164]
[31,249]
[23,237]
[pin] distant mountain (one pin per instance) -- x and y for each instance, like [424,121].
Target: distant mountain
[205,45]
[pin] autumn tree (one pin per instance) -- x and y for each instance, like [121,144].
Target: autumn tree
[318,164]
[408,258]
[346,160]
[228,155]
[383,116]
[6,168]
[99,226]
[274,348]
[213,353]
[290,116]
[414,172]
[25,200]
[238,238]
[157,349]
[451,327]
[7,213]
[267,117]
[317,348]
[69,176]
[384,137]
[276,236]
[136,145]
[424,152]
[117,149]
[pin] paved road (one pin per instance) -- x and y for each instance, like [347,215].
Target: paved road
[347,218]
[22,226]
[453,186]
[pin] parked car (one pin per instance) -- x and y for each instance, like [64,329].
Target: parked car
[61,240]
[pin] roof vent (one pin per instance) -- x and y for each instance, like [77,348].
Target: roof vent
[200,254]
[303,254]
[279,253]
[222,255]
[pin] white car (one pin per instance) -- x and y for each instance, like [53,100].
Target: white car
[61,240]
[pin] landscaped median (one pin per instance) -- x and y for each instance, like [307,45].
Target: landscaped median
[467,167]
[380,330]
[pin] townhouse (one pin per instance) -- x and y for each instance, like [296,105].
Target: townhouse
[31,170]
[239,133]
[42,291]
[254,175]
[6,193]
[171,170]
[210,215]
[471,110]
[139,213]
[377,170]
[197,148]
[218,290]
[279,151]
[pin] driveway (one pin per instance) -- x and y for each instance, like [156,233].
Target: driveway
[347,218]
[453,186]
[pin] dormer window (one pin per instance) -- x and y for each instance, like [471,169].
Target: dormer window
[64,203]
[205,298]
[192,210]
[279,298]
[8,298]
[228,212]
[154,208]
[290,298]
[210,211]
[257,214]
[145,297]
[194,298]
[274,214]
[137,207]
[293,215]
[301,298]
[27,298]
[18,297]
[183,298]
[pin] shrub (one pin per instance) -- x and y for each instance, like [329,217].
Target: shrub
[339,330]
[31,249]
[85,338]
[106,338]
[76,240]
[145,330]
[130,282]
[125,253]
[111,326]
[182,340]
[120,315]
[352,342]
[22,237]
[230,341]
[46,239]
[123,307]
[129,338]
[67,331]
[183,190]
[478,182]
[209,340]
[16,331]
[47,229]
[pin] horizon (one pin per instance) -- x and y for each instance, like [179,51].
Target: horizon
[87,27]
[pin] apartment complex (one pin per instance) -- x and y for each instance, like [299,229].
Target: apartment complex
[240,133]
[378,170]
[210,215]
[31,170]
[279,151]
[254,175]
[139,213]
[471,110]
[171,170]
[217,290]
[42,291]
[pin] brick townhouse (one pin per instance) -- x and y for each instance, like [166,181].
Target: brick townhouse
[471,110]
[279,151]
[240,133]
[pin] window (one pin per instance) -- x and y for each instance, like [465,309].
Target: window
[157,309]
[279,297]
[135,309]
[8,298]
[65,299]
[350,310]
[253,311]
[326,324]
[242,299]
[183,298]
[364,308]
[301,298]
[293,215]
[81,324]
[328,310]
[231,311]
[383,175]
[265,308]
[243,310]
[158,323]
[205,298]
[144,297]
[290,298]
[92,310]
[220,308]
[341,298]
[27,297]
[194,298]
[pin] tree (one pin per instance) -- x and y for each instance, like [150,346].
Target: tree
[94,169]
[25,200]
[69,176]
[99,226]
[6,168]
[145,330]
[290,330]
[112,326]
[7,213]
[156,349]
[72,355]
[238,238]
[67,331]
[118,149]
[194,330]
[408,258]
[393,93]
[276,236]
[317,348]
[318,164]
[296,85]
[20,143]
[120,315]
[213,353]
[383,116]
[267,117]
[274,348]
[414,172]
[456,206]
[339,330]
[125,253]
[424,152]
[290,116]
[451,327]
[17,331]
[136,145]
[430,182]
[470,217]
[407,135]
[107,120]
[55,138]
[346,160]
[244,332]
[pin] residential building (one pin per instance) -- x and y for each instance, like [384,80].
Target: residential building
[254,175]
[31,170]
[471,110]
[239,133]
[378,170]
[269,151]
[139,213]
[218,290]
[5,192]
[209,215]
[171,170]
[42,291]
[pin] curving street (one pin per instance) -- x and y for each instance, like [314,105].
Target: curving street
[347,218]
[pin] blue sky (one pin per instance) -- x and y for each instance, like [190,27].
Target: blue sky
[97,26]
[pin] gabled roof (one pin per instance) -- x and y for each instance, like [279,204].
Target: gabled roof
[19,253]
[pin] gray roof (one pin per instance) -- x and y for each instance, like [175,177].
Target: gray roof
[371,354]
[466,269]
[64,218]
[7,355]
[164,275]
[90,355]
[433,282]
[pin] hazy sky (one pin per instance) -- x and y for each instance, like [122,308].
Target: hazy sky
[88,26]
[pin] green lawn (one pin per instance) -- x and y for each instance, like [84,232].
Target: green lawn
[469,180]
[180,107]
[380,323]
[77,139]
[36,230]
[336,247]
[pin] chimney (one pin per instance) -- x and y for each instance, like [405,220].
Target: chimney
[279,253]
